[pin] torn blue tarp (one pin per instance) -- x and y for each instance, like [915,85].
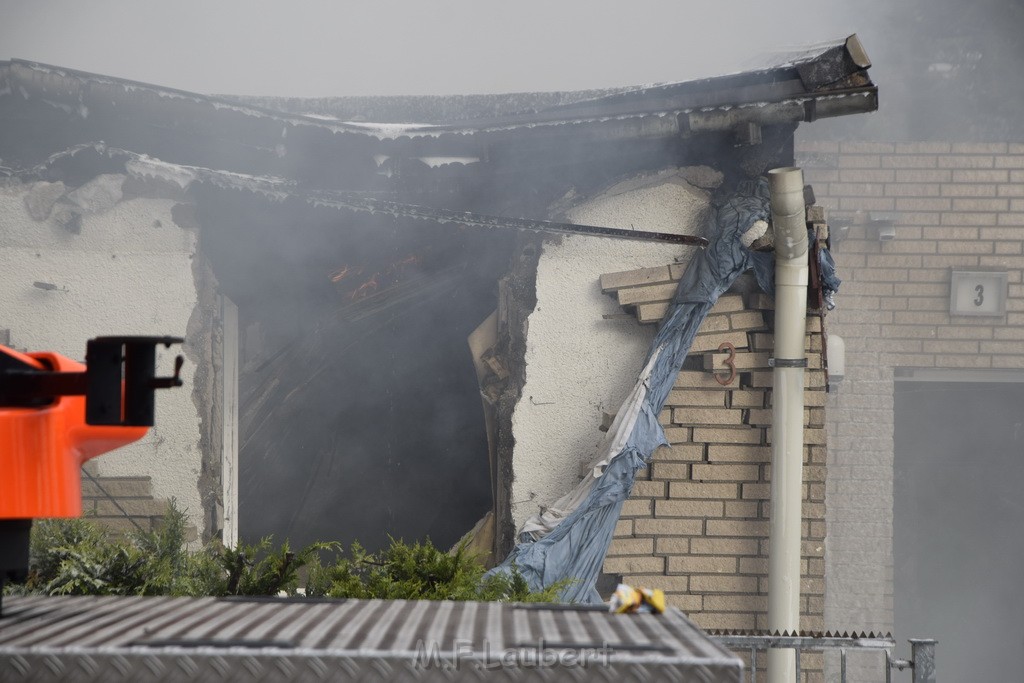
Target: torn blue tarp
[569,540]
[826,273]
[764,266]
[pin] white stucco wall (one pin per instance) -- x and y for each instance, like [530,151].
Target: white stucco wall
[129,272]
[579,365]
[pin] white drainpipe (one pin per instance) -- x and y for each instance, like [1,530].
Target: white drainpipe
[788,218]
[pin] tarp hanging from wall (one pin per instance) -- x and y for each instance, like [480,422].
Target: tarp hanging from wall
[570,539]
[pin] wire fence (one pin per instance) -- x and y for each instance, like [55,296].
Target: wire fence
[921,662]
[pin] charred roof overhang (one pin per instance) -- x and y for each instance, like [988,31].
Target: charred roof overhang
[232,134]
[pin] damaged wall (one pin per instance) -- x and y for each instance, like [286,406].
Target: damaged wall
[109,265]
[579,365]
[696,522]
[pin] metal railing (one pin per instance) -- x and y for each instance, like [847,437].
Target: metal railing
[921,662]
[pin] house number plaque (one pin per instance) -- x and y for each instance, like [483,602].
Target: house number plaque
[730,364]
[977,293]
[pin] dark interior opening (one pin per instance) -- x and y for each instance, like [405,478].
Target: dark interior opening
[359,409]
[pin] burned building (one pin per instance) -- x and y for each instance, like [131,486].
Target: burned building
[327,272]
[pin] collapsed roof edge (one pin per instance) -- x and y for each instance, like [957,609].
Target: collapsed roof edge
[279,189]
[834,70]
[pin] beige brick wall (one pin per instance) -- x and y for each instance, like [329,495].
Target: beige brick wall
[703,502]
[958,206]
[121,504]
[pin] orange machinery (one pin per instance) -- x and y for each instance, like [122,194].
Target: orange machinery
[55,414]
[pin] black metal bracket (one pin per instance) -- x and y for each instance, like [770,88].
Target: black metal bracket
[787,362]
[109,361]
[14,549]
[119,381]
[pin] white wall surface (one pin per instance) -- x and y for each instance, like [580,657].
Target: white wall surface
[129,272]
[579,365]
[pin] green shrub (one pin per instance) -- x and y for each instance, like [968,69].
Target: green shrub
[418,572]
[77,557]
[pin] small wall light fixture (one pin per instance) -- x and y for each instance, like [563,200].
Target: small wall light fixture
[883,227]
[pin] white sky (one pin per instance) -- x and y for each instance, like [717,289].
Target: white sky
[416,47]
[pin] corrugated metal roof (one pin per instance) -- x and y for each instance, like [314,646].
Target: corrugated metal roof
[170,637]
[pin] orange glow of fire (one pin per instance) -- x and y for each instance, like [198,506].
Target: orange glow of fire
[343,272]
[366,289]
[387,277]
[410,260]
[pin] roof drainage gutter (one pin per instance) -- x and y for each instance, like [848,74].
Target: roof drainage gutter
[786,186]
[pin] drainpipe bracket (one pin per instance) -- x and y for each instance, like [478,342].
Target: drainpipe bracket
[787,362]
